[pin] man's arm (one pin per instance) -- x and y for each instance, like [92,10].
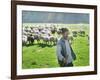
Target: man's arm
[59,55]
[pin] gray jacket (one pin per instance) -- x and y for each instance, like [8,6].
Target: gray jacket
[63,49]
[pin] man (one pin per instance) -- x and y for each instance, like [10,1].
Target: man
[64,51]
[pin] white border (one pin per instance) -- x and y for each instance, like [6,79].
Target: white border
[21,71]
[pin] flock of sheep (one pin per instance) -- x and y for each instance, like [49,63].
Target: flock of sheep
[45,35]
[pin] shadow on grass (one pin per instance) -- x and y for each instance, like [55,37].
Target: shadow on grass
[40,45]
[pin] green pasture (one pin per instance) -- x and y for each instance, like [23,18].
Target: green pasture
[44,56]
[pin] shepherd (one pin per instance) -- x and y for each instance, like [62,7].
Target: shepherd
[65,53]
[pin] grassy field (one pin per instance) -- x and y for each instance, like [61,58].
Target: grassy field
[44,56]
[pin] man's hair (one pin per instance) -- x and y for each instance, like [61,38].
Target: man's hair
[63,30]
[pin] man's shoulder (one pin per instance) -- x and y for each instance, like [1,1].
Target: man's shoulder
[60,41]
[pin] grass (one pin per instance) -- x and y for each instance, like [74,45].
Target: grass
[44,56]
[39,56]
[81,48]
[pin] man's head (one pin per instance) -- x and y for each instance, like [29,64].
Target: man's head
[64,32]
